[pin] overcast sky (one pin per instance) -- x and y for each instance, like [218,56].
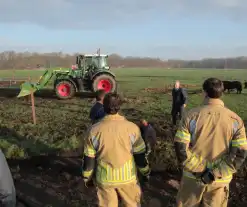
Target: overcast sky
[187,29]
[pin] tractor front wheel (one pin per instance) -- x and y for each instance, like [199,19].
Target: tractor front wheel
[106,83]
[65,90]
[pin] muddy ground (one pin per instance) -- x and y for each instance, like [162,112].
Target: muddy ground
[55,181]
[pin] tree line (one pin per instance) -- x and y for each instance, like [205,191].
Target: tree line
[27,60]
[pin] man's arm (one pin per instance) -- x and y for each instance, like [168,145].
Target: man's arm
[90,149]
[237,155]
[186,159]
[173,90]
[139,150]
[7,188]
[91,114]
[185,96]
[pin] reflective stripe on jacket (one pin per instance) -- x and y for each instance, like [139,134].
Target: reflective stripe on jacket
[106,175]
[225,180]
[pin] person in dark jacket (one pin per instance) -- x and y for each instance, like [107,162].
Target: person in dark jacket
[7,188]
[179,102]
[97,111]
[148,134]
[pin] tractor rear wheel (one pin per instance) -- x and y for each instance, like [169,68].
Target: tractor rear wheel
[65,90]
[105,82]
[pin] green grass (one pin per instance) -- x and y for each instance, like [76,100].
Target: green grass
[62,124]
[148,77]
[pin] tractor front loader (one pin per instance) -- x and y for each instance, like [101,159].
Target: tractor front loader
[91,73]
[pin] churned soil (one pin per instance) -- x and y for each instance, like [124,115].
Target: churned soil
[56,181]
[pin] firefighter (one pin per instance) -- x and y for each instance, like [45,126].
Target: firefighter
[211,146]
[148,134]
[179,101]
[115,149]
[7,188]
[97,111]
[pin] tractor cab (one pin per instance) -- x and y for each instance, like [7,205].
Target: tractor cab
[93,61]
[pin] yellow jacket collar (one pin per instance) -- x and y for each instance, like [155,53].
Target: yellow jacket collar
[114,117]
[213,101]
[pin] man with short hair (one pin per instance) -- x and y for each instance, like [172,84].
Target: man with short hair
[114,148]
[7,188]
[211,146]
[179,102]
[97,111]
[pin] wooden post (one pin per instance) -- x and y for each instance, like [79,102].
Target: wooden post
[13,78]
[27,98]
[33,108]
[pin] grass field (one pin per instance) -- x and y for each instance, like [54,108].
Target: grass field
[62,125]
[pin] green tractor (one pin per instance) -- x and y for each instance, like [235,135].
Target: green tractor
[91,73]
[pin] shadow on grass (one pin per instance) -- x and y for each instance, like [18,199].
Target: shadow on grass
[40,180]
[17,146]
[49,181]
[44,93]
[56,181]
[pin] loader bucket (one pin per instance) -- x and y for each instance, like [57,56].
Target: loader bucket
[26,89]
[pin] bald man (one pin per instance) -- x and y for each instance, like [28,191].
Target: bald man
[179,101]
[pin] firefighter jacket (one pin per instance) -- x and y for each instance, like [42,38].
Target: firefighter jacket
[114,147]
[211,136]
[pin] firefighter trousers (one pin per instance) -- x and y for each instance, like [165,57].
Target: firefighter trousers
[129,194]
[193,193]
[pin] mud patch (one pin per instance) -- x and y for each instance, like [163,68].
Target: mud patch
[167,89]
[55,181]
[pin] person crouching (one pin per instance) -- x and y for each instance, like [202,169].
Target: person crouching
[148,134]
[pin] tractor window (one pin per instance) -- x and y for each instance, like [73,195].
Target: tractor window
[102,62]
[88,61]
[97,62]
